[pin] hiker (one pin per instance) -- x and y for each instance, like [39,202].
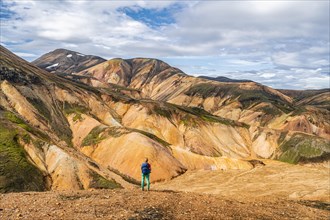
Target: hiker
[146,170]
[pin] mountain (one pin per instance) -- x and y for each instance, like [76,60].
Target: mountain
[62,61]
[224,79]
[265,110]
[35,136]
[68,135]
[94,131]
[320,98]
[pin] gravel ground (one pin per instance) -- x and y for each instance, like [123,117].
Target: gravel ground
[135,204]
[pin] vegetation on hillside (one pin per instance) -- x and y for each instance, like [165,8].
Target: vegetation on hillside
[303,147]
[13,118]
[246,97]
[188,115]
[99,182]
[94,137]
[17,174]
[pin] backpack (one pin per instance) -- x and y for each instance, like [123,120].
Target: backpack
[145,168]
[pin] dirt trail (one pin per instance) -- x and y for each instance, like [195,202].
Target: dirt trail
[135,204]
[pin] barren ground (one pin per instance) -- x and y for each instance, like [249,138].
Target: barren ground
[134,204]
[274,191]
[275,179]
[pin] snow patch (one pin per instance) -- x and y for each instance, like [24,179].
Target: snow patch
[70,55]
[79,54]
[51,66]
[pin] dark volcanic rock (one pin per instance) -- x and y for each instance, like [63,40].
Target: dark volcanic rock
[17,76]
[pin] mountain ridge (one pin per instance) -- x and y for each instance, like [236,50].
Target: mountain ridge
[224,79]
[181,123]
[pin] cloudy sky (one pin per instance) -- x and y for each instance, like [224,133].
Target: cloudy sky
[282,44]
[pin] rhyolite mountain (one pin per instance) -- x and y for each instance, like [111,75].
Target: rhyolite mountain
[62,61]
[265,110]
[93,130]
[67,135]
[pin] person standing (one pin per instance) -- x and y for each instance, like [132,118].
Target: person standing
[146,170]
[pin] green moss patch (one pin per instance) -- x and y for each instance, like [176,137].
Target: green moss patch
[13,118]
[164,112]
[99,182]
[55,119]
[204,90]
[77,117]
[41,107]
[190,116]
[74,108]
[119,88]
[125,177]
[117,131]
[302,147]
[18,121]
[270,110]
[152,136]
[99,133]
[282,137]
[207,117]
[188,121]
[117,94]
[299,111]
[94,137]
[17,174]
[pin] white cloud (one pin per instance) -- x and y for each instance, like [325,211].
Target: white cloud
[21,54]
[287,59]
[243,62]
[267,75]
[284,38]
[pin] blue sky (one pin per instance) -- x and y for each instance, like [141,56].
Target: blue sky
[154,18]
[282,44]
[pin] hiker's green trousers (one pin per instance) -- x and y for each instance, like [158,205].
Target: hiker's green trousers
[145,176]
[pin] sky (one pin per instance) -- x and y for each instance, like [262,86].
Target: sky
[281,44]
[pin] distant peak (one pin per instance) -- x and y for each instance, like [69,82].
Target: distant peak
[62,50]
[224,79]
[66,52]
[66,61]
